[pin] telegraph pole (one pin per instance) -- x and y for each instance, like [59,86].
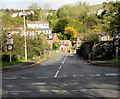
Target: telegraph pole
[25,35]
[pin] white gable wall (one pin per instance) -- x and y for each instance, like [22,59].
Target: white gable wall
[45,25]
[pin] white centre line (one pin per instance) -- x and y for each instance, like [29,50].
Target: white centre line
[60,67]
[56,74]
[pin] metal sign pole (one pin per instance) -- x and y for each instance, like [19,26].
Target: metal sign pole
[116,53]
[10,58]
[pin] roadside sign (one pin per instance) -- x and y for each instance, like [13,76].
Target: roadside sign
[117,42]
[9,41]
[9,35]
[10,47]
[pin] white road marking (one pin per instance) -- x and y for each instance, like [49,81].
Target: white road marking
[60,67]
[98,75]
[11,78]
[24,77]
[78,75]
[63,62]
[40,83]
[111,74]
[16,91]
[43,77]
[56,74]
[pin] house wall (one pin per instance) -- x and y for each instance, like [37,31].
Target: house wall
[35,26]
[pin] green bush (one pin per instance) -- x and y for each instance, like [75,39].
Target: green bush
[102,50]
[55,45]
[6,57]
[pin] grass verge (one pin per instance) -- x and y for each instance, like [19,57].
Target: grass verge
[114,60]
[4,64]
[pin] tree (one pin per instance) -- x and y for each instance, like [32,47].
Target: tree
[72,11]
[42,15]
[70,32]
[46,7]
[76,25]
[10,22]
[60,25]
[34,6]
[36,46]
[36,9]
[91,37]
[55,45]
[64,11]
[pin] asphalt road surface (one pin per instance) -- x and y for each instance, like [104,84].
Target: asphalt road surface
[65,75]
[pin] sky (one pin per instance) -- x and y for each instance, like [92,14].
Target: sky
[54,4]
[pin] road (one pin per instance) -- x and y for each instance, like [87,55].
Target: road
[65,75]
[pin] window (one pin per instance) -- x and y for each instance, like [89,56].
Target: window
[66,42]
[49,41]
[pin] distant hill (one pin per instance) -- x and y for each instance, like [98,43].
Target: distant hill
[94,8]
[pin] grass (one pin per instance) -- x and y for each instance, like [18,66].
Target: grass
[114,60]
[4,64]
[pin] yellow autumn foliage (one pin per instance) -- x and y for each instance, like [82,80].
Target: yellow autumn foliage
[71,31]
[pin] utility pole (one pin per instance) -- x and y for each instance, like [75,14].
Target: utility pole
[25,35]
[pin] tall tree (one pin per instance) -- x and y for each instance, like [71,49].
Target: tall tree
[60,26]
[46,6]
[70,32]
[34,6]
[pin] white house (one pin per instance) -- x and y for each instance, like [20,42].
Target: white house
[99,12]
[40,26]
[14,15]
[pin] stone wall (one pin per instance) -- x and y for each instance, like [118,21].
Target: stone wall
[98,50]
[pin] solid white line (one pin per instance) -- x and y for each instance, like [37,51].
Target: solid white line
[56,74]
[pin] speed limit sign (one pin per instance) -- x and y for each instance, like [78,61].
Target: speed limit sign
[9,47]
[9,35]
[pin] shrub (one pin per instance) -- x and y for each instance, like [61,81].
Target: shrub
[55,45]
[102,50]
[6,57]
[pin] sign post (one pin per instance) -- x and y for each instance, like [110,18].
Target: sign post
[10,44]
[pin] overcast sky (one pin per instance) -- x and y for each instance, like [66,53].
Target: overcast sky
[54,4]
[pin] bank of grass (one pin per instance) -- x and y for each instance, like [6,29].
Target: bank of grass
[4,64]
[114,60]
